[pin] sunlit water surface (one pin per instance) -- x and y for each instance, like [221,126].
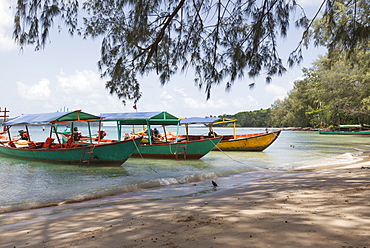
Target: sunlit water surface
[30,184]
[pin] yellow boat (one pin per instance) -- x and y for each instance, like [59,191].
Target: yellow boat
[235,142]
[247,142]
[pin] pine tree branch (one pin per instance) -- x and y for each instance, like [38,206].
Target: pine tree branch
[153,47]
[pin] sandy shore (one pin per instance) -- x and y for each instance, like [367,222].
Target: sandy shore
[329,208]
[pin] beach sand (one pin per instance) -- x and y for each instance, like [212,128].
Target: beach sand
[328,208]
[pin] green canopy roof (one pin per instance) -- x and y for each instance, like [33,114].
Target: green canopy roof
[142,118]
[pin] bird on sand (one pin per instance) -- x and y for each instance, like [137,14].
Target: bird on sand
[214,183]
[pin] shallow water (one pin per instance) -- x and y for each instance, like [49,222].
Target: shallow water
[31,184]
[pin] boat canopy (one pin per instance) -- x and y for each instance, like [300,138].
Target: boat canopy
[50,118]
[205,120]
[199,120]
[208,121]
[141,118]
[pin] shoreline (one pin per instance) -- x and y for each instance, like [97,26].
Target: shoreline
[189,189]
[325,208]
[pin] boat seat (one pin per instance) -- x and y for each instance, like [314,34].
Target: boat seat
[48,143]
[70,143]
[31,145]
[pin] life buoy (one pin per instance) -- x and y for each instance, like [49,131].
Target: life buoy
[22,142]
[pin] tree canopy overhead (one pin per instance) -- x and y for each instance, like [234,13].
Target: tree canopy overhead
[222,41]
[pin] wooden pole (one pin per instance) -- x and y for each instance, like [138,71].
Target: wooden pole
[56,134]
[99,129]
[28,133]
[4,116]
[8,129]
[235,130]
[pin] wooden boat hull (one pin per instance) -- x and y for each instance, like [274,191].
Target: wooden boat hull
[247,142]
[178,150]
[114,153]
[344,132]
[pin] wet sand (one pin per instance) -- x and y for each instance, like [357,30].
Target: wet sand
[328,208]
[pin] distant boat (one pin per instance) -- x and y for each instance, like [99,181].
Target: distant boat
[154,146]
[114,153]
[347,130]
[235,142]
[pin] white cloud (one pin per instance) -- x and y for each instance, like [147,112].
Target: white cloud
[181,91]
[275,89]
[166,95]
[85,81]
[245,103]
[207,107]
[6,24]
[39,91]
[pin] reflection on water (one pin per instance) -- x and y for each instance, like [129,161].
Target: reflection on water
[29,184]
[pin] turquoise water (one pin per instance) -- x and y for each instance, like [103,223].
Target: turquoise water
[30,184]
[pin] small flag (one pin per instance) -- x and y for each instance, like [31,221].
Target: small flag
[134,106]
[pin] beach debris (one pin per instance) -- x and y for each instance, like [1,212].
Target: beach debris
[214,184]
[365,167]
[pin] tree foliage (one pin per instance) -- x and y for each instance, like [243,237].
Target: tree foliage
[344,26]
[221,41]
[256,118]
[335,91]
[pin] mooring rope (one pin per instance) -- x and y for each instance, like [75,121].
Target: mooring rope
[145,162]
[226,154]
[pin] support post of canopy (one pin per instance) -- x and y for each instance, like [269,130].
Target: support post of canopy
[50,134]
[99,130]
[212,130]
[72,130]
[28,133]
[149,132]
[133,130]
[56,134]
[8,130]
[177,131]
[187,131]
[234,129]
[89,129]
[165,133]
[119,131]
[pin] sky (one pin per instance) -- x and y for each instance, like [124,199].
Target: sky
[65,76]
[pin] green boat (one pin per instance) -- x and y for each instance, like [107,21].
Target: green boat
[346,130]
[166,146]
[114,153]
